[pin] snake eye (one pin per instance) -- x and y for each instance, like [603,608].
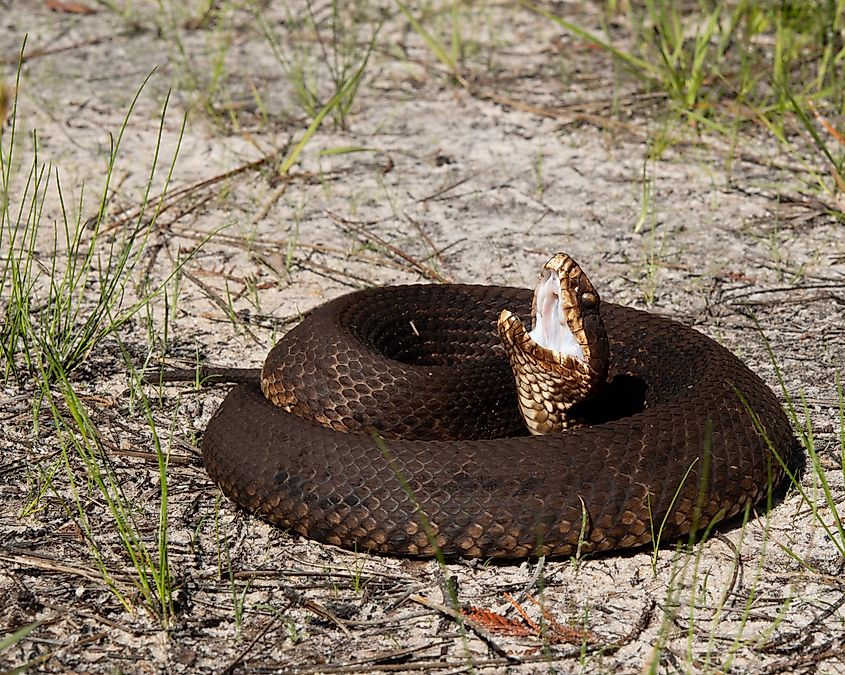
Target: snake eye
[589,300]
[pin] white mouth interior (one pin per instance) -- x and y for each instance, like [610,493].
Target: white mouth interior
[550,327]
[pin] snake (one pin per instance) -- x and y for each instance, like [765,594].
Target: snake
[414,420]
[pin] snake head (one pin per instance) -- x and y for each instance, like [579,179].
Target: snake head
[564,358]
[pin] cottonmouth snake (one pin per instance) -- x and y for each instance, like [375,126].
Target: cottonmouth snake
[671,445]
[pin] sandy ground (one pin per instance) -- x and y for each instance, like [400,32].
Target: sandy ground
[545,149]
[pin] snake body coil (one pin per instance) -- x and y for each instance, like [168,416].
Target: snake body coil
[442,459]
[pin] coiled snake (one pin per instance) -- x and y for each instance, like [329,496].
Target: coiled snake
[398,428]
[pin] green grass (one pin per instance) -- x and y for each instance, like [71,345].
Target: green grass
[688,611]
[448,57]
[343,51]
[822,502]
[723,68]
[58,311]
[724,77]
[51,322]
[89,472]
[708,58]
[318,56]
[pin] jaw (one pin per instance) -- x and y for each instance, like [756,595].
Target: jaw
[548,384]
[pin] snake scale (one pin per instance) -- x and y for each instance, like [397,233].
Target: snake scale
[442,459]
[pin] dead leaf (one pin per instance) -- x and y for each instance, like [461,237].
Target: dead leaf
[497,623]
[69,7]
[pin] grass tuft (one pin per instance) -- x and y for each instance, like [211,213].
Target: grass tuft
[341,52]
[722,66]
[50,324]
[60,303]
[827,515]
[80,442]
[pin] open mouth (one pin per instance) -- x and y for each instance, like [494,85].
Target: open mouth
[551,329]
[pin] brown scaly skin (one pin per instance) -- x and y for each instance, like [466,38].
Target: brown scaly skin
[423,367]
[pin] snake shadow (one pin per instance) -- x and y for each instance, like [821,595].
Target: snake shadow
[623,396]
